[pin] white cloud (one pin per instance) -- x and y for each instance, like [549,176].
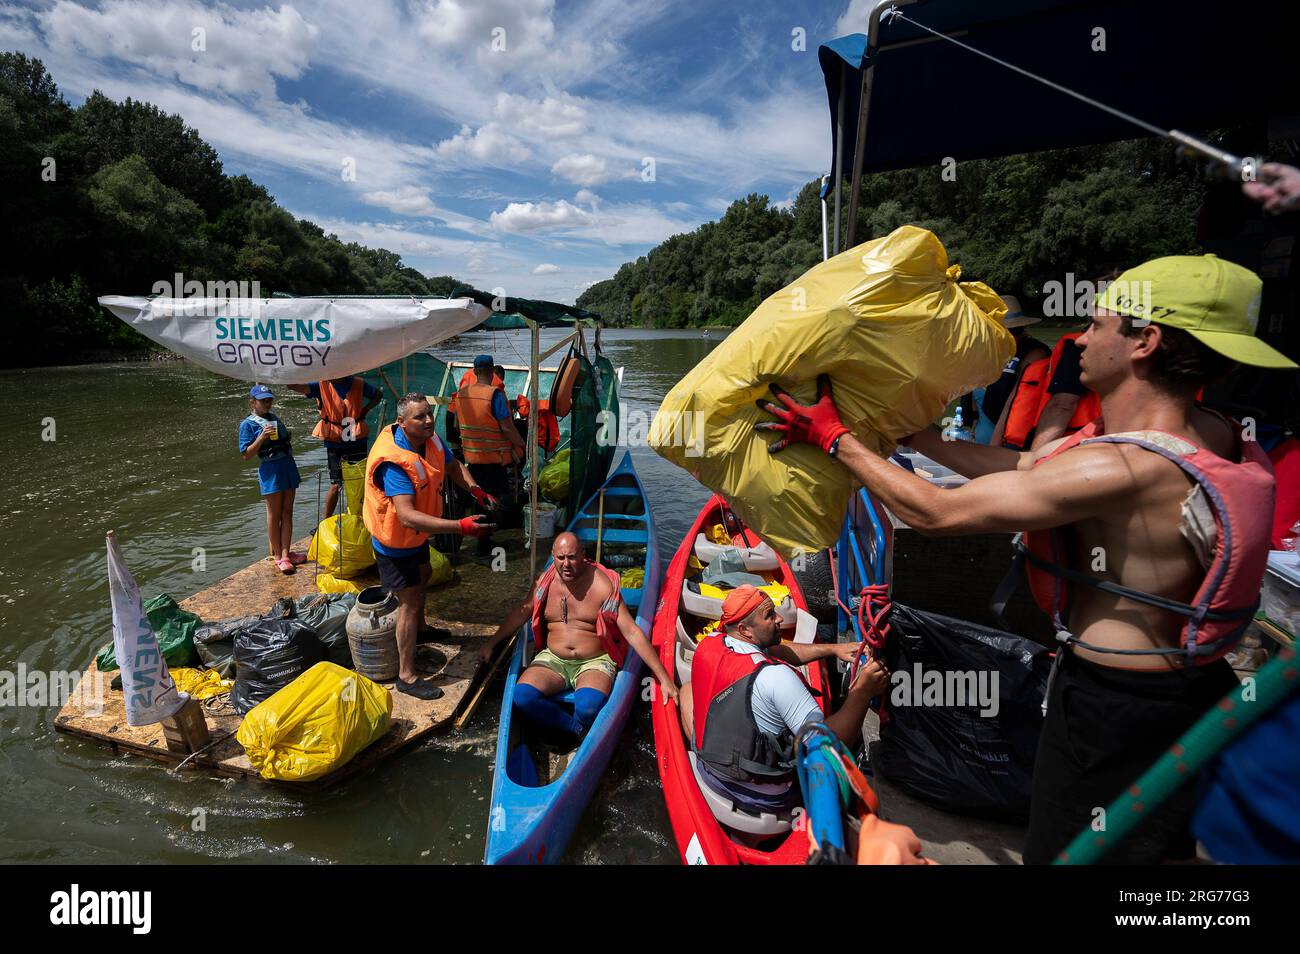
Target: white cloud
[554,117]
[489,143]
[396,238]
[546,269]
[855,17]
[408,200]
[242,51]
[539,216]
[587,197]
[583,170]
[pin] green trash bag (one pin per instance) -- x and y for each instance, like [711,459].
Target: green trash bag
[553,479]
[174,628]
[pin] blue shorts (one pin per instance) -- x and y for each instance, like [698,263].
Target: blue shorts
[277,474]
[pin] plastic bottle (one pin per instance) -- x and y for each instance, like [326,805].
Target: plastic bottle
[957,430]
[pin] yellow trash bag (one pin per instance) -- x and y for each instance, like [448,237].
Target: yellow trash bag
[342,546]
[328,583]
[553,480]
[899,336]
[633,579]
[354,485]
[201,683]
[315,724]
[442,571]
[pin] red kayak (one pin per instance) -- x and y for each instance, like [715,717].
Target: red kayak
[708,827]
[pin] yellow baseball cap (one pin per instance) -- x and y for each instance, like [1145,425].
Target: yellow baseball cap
[1214,301]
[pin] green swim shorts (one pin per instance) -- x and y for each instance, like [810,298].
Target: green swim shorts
[571,669]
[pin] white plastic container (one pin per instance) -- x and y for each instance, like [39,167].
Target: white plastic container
[545,521]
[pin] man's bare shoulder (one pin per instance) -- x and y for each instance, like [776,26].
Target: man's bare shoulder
[1116,465]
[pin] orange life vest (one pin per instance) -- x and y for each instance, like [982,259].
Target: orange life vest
[481,437]
[548,427]
[426,472]
[336,414]
[607,631]
[1031,397]
[469,377]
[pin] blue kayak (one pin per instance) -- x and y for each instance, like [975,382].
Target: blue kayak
[532,815]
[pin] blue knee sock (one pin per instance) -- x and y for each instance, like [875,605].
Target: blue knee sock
[545,711]
[586,706]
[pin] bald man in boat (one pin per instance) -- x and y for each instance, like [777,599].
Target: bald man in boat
[744,746]
[1146,536]
[575,607]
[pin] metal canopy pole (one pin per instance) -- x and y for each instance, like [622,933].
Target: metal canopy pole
[839,153]
[864,107]
[826,248]
[531,450]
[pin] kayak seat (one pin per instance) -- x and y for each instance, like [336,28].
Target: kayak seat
[683,657]
[757,558]
[725,810]
[710,607]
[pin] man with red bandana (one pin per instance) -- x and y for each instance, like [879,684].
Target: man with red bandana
[752,701]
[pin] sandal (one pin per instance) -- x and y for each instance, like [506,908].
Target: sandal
[284,566]
[296,558]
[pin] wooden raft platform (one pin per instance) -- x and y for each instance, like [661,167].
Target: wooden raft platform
[477,597]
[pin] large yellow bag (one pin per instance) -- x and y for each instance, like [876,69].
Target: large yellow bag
[440,566]
[342,546]
[354,485]
[900,338]
[553,479]
[328,583]
[315,724]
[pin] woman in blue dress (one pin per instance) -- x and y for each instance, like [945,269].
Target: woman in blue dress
[264,436]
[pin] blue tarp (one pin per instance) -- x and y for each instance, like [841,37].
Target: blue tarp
[1185,64]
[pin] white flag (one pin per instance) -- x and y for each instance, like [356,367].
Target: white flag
[147,685]
[296,340]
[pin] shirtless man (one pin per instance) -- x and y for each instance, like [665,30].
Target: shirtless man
[1131,676]
[582,630]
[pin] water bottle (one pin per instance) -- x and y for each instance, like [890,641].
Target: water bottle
[957,430]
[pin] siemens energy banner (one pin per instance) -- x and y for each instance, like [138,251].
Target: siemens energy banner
[295,340]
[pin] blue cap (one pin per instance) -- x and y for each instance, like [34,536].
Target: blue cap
[484,361]
[260,391]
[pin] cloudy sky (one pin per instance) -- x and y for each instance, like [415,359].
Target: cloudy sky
[533,145]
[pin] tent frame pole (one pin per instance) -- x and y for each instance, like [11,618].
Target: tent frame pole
[530,452]
[864,107]
[839,154]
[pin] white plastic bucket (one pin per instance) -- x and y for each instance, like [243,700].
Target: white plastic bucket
[545,521]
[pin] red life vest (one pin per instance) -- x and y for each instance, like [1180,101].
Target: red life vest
[1241,496]
[1286,470]
[426,473]
[336,414]
[607,631]
[548,426]
[1031,397]
[727,736]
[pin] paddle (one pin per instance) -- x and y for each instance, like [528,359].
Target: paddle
[477,697]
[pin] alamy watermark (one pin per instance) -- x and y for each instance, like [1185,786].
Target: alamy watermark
[193,298]
[53,687]
[1076,299]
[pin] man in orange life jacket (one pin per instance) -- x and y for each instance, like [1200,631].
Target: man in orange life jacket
[488,438]
[344,404]
[404,476]
[582,631]
[753,702]
[997,399]
[1147,536]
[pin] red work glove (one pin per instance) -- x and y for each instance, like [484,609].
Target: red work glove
[485,499]
[470,526]
[818,424]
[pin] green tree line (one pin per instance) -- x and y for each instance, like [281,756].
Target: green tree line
[111,197]
[1016,223]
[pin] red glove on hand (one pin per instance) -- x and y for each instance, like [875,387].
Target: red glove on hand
[484,498]
[470,526]
[818,424]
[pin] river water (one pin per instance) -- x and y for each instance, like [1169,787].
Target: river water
[148,450]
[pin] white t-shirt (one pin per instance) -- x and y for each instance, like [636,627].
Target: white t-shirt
[781,701]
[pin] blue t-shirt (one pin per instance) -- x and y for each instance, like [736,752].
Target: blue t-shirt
[500,407]
[250,429]
[395,481]
[367,392]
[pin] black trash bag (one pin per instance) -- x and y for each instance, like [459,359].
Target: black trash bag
[269,654]
[952,756]
[327,613]
[215,644]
